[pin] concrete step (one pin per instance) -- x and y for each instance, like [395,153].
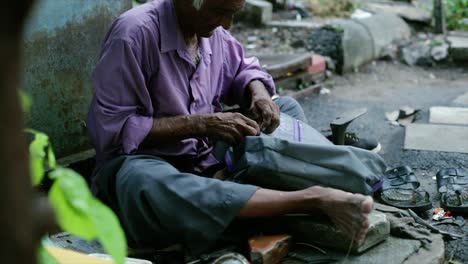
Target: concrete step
[432,137]
[406,11]
[449,115]
[458,46]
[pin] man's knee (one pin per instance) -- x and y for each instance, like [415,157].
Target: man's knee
[137,172]
[290,106]
[286,101]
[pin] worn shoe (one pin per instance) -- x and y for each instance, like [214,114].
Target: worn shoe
[364,143]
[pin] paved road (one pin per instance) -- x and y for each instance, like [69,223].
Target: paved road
[385,87]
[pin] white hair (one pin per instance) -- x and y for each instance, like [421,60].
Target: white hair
[197,4]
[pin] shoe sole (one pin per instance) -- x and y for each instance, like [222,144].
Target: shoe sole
[377,149]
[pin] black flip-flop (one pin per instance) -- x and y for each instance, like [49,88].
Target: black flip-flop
[452,185]
[402,189]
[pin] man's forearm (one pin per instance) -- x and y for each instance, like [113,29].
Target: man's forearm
[258,90]
[175,128]
[228,127]
[265,112]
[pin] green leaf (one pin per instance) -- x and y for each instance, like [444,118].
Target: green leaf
[45,257]
[36,167]
[81,214]
[456,11]
[109,232]
[70,218]
[52,162]
[70,197]
[37,155]
[25,101]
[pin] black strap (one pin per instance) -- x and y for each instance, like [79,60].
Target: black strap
[451,179]
[400,178]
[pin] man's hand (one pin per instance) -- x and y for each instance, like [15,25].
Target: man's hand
[264,110]
[229,127]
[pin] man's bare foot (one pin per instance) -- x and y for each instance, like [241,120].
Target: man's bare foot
[348,211]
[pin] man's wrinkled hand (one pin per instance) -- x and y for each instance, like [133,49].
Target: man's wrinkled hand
[266,113]
[230,127]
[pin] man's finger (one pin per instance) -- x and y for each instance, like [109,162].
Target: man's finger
[247,127]
[248,130]
[268,112]
[252,125]
[274,121]
[236,135]
[273,126]
[228,139]
[254,111]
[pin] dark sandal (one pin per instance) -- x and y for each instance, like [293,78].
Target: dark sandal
[452,185]
[401,189]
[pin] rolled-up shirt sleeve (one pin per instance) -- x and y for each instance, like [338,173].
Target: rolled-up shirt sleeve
[241,71]
[122,112]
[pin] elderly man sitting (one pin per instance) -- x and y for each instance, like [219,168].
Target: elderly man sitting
[165,69]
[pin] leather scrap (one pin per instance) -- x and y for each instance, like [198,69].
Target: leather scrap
[403,225]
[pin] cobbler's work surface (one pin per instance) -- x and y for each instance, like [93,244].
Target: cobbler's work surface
[393,250]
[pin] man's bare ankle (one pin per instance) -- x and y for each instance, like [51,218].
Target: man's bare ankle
[315,196]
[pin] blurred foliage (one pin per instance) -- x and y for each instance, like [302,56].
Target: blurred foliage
[332,8]
[280,90]
[45,257]
[25,101]
[456,14]
[77,211]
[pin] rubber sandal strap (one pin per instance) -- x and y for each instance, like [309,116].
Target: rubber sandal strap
[451,179]
[400,178]
[398,172]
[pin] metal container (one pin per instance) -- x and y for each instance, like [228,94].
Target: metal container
[231,258]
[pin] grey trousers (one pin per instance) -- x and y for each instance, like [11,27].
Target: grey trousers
[159,206]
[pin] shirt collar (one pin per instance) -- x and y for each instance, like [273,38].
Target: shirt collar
[205,46]
[171,35]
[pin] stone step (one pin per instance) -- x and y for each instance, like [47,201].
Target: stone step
[320,231]
[406,11]
[458,46]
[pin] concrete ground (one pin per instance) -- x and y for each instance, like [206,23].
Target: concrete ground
[386,86]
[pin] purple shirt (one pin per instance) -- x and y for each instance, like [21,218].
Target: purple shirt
[145,71]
